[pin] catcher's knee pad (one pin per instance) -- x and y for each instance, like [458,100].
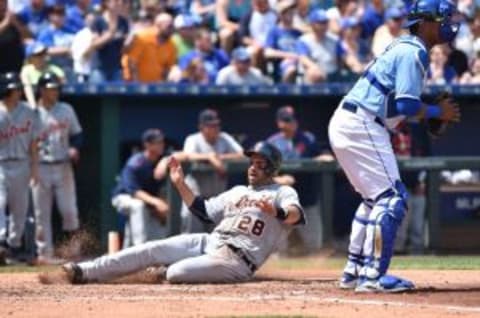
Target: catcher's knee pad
[393,207]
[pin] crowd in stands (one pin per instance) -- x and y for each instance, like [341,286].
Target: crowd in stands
[218,41]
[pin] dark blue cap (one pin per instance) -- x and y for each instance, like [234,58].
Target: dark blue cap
[286,113]
[208,117]
[152,135]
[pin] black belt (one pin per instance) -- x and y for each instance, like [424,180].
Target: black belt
[353,109]
[238,251]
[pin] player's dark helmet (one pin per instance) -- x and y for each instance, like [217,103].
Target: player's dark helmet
[49,80]
[8,82]
[270,153]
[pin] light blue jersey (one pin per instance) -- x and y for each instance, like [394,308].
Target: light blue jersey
[398,73]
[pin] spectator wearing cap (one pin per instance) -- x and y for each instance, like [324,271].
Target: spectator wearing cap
[34,67]
[58,38]
[137,193]
[228,15]
[214,59]
[372,18]
[152,53]
[389,31]
[209,146]
[321,47]
[280,47]
[110,30]
[295,144]
[34,17]
[184,38]
[11,46]
[255,27]
[357,52]
[240,71]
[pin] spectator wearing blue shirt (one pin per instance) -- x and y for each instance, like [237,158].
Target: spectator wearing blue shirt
[295,144]
[75,14]
[213,59]
[440,72]
[58,39]
[136,195]
[34,16]
[110,31]
[280,47]
[372,18]
[322,47]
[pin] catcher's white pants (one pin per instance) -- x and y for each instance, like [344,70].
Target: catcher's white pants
[142,225]
[14,181]
[191,258]
[364,151]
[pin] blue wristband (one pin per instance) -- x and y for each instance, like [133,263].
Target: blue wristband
[433,111]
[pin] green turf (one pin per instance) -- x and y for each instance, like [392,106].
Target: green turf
[399,262]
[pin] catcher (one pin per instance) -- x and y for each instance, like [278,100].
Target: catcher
[251,220]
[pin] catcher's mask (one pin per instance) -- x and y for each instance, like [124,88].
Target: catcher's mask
[270,153]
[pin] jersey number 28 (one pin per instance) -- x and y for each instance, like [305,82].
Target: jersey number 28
[245,225]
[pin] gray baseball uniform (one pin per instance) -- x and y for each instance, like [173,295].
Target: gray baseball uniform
[205,184]
[18,129]
[56,178]
[242,240]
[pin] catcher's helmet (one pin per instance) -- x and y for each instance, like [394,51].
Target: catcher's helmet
[9,81]
[49,80]
[270,153]
[435,10]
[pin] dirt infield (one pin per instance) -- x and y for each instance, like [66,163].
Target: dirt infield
[310,293]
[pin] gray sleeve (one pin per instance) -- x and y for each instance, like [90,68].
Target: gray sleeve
[215,206]
[233,145]
[287,196]
[75,127]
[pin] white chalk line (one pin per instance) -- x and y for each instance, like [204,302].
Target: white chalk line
[249,298]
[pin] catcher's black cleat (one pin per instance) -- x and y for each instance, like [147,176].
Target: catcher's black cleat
[74,273]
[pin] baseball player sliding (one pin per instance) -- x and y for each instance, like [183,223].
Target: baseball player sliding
[387,93]
[251,220]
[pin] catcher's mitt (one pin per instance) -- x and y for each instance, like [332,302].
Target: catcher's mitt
[437,127]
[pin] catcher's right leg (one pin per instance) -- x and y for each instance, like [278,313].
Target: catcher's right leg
[136,258]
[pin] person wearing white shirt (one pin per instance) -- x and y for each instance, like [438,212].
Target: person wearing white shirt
[83,52]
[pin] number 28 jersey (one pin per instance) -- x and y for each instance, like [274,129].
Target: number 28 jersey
[242,224]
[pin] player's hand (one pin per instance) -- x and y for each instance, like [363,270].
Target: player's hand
[176,171]
[217,164]
[266,206]
[74,155]
[450,110]
[161,211]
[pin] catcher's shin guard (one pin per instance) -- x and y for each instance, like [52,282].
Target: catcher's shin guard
[386,217]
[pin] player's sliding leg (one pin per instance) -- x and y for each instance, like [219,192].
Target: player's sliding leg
[355,249]
[210,268]
[385,219]
[136,258]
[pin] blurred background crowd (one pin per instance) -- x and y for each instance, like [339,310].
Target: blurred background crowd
[229,42]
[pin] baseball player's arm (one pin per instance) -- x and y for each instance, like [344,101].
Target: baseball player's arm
[290,215]
[160,207]
[34,162]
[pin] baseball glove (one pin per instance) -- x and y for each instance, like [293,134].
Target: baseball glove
[437,127]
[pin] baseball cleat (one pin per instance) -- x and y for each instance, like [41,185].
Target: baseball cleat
[74,273]
[348,281]
[384,284]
